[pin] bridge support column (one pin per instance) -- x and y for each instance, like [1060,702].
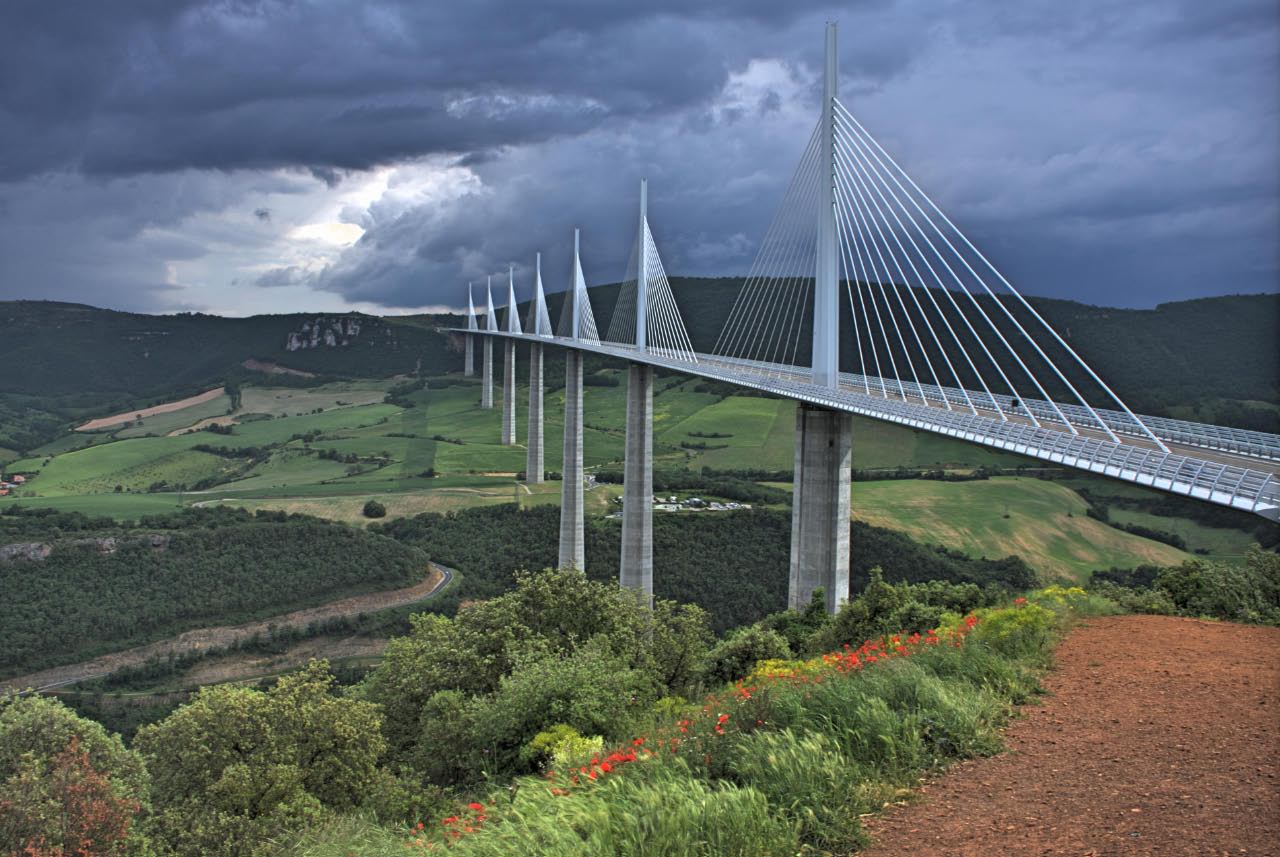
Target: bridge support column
[636,568]
[509,392]
[469,362]
[486,374]
[572,541]
[820,507]
[535,466]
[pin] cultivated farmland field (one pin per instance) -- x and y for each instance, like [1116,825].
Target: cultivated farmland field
[1043,522]
[326,450]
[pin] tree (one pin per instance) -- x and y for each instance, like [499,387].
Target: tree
[235,765]
[374,509]
[512,666]
[66,786]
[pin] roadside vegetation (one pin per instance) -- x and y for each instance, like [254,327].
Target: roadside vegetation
[561,717]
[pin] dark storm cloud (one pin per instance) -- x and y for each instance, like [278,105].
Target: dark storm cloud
[1121,151]
[126,88]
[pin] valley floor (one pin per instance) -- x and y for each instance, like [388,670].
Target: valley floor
[205,639]
[1159,736]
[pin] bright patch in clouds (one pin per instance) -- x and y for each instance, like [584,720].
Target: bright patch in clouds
[337,234]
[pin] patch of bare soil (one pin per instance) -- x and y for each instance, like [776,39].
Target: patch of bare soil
[1159,736]
[274,368]
[204,639]
[167,407]
[241,666]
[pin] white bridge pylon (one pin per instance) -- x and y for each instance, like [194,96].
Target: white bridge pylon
[577,321]
[646,314]
[926,307]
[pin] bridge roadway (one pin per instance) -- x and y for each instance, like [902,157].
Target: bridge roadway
[1230,467]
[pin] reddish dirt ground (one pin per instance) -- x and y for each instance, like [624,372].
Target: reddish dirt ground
[1159,736]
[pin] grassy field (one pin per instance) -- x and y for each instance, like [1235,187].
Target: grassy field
[444,453]
[118,506]
[446,498]
[1219,542]
[1043,522]
[162,424]
[286,401]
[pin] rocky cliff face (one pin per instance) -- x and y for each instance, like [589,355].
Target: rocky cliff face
[106,545]
[33,551]
[326,331]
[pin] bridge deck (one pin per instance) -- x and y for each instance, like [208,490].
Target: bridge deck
[1230,467]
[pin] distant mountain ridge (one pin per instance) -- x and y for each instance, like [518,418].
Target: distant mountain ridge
[1213,359]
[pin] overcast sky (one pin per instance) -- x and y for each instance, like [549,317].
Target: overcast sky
[242,157]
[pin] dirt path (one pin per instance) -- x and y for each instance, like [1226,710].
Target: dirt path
[1160,736]
[167,407]
[203,639]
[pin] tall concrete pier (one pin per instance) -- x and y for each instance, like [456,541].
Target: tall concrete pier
[635,571]
[508,392]
[486,374]
[824,439]
[820,507]
[636,568]
[572,540]
[535,464]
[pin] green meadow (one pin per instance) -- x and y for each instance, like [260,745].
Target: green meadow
[1042,522]
[325,451]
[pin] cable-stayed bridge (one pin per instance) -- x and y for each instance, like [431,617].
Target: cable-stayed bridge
[934,337]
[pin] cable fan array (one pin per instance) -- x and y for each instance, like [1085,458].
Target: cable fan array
[769,321]
[538,322]
[577,306]
[927,322]
[665,333]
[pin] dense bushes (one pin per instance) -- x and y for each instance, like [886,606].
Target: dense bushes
[236,766]
[784,762]
[1249,592]
[462,696]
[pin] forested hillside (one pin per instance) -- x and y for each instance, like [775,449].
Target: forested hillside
[76,586]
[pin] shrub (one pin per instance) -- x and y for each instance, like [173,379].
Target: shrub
[736,656]
[235,766]
[562,747]
[1018,633]
[1242,593]
[374,509]
[591,690]
[66,786]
